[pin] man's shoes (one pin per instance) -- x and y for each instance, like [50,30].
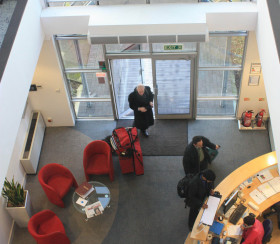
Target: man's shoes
[145,133]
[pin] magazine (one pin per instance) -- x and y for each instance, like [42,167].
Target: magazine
[84,189]
[94,209]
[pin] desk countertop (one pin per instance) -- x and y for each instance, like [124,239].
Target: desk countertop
[232,181]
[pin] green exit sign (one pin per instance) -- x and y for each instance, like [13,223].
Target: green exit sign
[173,47]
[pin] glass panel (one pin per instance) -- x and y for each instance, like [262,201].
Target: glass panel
[93,109]
[68,53]
[216,107]
[90,54]
[127,48]
[218,83]
[126,75]
[222,51]
[80,54]
[85,85]
[173,82]
[186,47]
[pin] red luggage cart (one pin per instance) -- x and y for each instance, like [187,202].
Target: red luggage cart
[126,143]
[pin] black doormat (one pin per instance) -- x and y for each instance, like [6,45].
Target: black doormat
[167,137]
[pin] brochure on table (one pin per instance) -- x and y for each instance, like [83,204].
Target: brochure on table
[94,209]
[264,176]
[81,201]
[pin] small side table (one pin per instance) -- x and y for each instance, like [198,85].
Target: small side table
[101,193]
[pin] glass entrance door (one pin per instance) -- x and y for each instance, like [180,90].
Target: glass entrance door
[126,75]
[174,88]
[171,80]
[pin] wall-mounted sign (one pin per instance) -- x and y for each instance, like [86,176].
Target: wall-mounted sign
[246,99]
[102,65]
[173,47]
[101,80]
[254,80]
[101,74]
[261,99]
[255,68]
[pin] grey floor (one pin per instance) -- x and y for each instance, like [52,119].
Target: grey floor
[6,11]
[167,219]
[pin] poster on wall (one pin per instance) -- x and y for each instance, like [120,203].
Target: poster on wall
[254,80]
[255,68]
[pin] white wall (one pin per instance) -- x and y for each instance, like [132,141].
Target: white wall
[253,93]
[14,88]
[51,99]
[271,69]
[129,20]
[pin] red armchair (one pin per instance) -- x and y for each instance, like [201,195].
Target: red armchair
[47,228]
[97,159]
[56,181]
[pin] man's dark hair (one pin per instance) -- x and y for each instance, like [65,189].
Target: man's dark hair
[249,220]
[196,139]
[209,174]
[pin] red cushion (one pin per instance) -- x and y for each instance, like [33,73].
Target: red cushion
[60,183]
[95,164]
[50,225]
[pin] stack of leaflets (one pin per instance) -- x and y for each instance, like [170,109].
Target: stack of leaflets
[264,176]
[275,183]
[84,189]
[267,190]
[94,209]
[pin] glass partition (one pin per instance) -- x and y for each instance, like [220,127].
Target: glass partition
[222,51]
[87,81]
[127,48]
[218,83]
[219,74]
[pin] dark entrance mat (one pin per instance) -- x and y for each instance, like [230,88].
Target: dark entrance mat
[167,137]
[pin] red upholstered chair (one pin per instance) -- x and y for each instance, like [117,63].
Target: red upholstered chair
[97,159]
[56,181]
[46,228]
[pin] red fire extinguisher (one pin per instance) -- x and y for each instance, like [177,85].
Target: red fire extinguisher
[246,118]
[259,118]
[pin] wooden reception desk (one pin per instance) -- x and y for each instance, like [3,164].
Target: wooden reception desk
[231,182]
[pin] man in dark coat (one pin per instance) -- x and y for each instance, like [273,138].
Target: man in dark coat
[196,157]
[200,187]
[141,102]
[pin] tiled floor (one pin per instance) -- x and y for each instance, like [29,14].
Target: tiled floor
[6,11]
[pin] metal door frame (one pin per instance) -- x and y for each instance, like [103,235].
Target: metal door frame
[157,56]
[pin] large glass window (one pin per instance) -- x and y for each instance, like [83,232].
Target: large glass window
[214,83]
[127,48]
[219,74]
[222,51]
[87,81]
[88,85]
